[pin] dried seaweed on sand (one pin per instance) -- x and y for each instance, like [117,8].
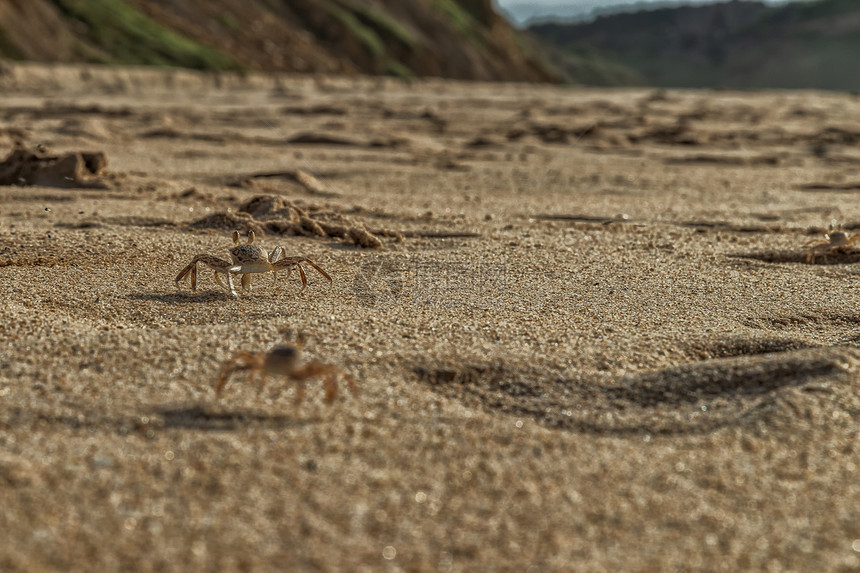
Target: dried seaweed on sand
[274,214]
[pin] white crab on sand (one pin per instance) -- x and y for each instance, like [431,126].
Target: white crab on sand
[247,259]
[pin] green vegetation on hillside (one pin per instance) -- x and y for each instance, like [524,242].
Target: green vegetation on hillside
[463,39]
[461,20]
[383,24]
[120,34]
[368,26]
[9,49]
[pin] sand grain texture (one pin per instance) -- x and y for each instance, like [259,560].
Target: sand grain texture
[588,340]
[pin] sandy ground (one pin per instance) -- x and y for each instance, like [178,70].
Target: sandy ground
[590,341]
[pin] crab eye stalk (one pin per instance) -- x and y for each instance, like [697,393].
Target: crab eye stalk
[251,237]
[236,238]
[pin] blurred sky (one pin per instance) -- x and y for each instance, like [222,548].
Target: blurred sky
[521,11]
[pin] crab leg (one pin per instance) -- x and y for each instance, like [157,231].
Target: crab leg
[251,362]
[214,263]
[229,286]
[289,262]
[191,269]
[229,274]
[852,240]
[276,255]
[275,275]
[302,275]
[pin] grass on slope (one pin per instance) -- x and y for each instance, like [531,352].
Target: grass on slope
[366,25]
[123,35]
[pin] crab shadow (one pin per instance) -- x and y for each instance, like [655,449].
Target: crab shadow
[691,399]
[799,257]
[216,419]
[154,419]
[188,297]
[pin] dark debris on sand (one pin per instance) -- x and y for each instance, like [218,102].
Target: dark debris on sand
[24,166]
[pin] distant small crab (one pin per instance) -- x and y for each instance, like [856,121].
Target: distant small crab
[246,260]
[835,240]
[284,361]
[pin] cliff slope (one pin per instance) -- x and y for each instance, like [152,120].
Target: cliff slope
[464,39]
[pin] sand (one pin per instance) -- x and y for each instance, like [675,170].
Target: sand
[583,325]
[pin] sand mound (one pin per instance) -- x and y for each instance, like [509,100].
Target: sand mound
[274,214]
[25,166]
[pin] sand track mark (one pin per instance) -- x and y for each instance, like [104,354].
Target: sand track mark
[157,419]
[25,166]
[697,397]
[799,256]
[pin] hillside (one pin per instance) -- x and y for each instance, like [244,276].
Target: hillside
[463,39]
[737,44]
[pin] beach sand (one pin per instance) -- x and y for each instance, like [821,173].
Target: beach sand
[583,324]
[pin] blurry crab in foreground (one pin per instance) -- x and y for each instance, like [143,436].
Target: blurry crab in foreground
[247,259]
[284,361]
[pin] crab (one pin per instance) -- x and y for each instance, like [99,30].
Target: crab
[283,360]
[248,259]
[835,240]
